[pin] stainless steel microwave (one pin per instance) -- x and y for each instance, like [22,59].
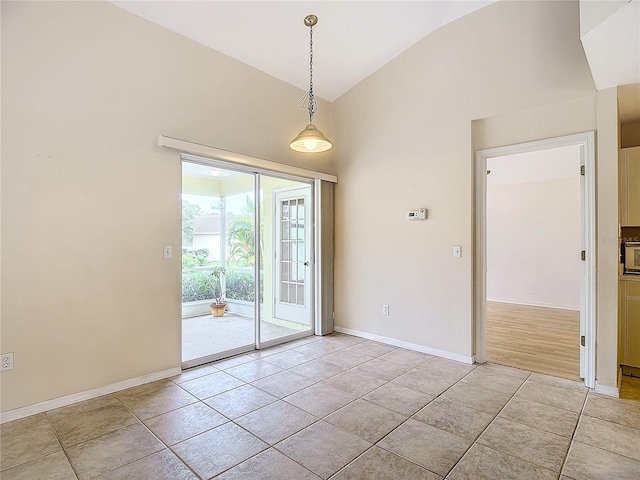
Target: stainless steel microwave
[632,258]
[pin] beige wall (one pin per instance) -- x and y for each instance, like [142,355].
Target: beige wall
[404,140]
[607,230]
[88,200]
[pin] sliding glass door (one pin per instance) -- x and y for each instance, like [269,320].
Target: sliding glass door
[247,242]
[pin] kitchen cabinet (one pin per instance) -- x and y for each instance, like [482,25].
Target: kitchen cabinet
[630,186]
[630,322]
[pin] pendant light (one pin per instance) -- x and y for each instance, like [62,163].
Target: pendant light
[310,139]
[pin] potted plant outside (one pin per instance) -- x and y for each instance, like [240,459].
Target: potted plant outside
[213,284]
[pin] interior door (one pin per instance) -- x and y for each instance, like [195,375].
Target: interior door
[292,211]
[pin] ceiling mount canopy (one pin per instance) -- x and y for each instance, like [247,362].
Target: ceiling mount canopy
[310,139]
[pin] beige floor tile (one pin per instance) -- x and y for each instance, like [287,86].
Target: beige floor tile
[54,466]
[210,385]
[425,382]
[355,383]
[320,400]
[366,420]
[74,428]
[113,450]
[283,383]
[609,436]
[544,449]
[483,399]
[405,358]
[163,465]
[337,448]
[616,410]
[81,408]
[240,401]
[317,349]
[25,439]
[400,399]
[384,370]
[268,465]
[276,421]
[560,397]
[428,446]
[586,462]
[144,389]
[186,422]
[493,381]
[287,359]
[558,382]
[252,371]
[504,370]
[149,404]
[543,417]
[482,463]
[245,358]
[341,339]
[446,368]
[346,358]
[460,420]
[317,370]
[371,348]
[378,464]
[217,450]
[193,373]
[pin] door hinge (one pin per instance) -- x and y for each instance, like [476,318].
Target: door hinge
[583,255]
[581,169]
[333,316]
[582,340]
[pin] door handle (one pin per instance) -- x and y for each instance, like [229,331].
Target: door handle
[306,264]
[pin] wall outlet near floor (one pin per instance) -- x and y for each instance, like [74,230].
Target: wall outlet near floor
[6,361]
[385,309]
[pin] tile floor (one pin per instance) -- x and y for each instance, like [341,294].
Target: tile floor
[336,407]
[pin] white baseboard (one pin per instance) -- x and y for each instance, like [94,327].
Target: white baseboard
[607,390]
[409,346]
[22,412]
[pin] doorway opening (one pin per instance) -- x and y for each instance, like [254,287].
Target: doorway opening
[247,240]
[535,257]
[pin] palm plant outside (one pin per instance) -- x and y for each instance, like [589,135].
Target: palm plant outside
[241,237]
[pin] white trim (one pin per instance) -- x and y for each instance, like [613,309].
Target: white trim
[317,258]
[587,143]
[607,390]
[207,151]
[409,346]
[45,406]
[544,305]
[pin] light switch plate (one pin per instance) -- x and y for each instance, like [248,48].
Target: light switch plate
[168,251]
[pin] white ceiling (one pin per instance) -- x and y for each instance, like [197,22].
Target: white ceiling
[352,39]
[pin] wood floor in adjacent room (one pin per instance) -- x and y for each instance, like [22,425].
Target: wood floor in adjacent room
[539,339]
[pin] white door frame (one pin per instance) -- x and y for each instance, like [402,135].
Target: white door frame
[586,141]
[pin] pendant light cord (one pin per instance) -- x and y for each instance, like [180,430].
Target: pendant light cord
[311,104]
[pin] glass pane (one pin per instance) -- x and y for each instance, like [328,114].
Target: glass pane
[300,295]
[285,230]
[301,209]
[284,292]
[284,271]
[292,293]
[285,210]
[285,251]
[301,252]
[300,231]
[208,211]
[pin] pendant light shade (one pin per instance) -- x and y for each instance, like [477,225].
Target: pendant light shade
[310,139]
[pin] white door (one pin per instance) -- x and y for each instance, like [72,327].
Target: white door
[293,255]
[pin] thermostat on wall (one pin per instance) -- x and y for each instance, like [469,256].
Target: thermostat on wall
[420,214]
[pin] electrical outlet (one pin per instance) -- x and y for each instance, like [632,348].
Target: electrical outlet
[6,361]
[385,309]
